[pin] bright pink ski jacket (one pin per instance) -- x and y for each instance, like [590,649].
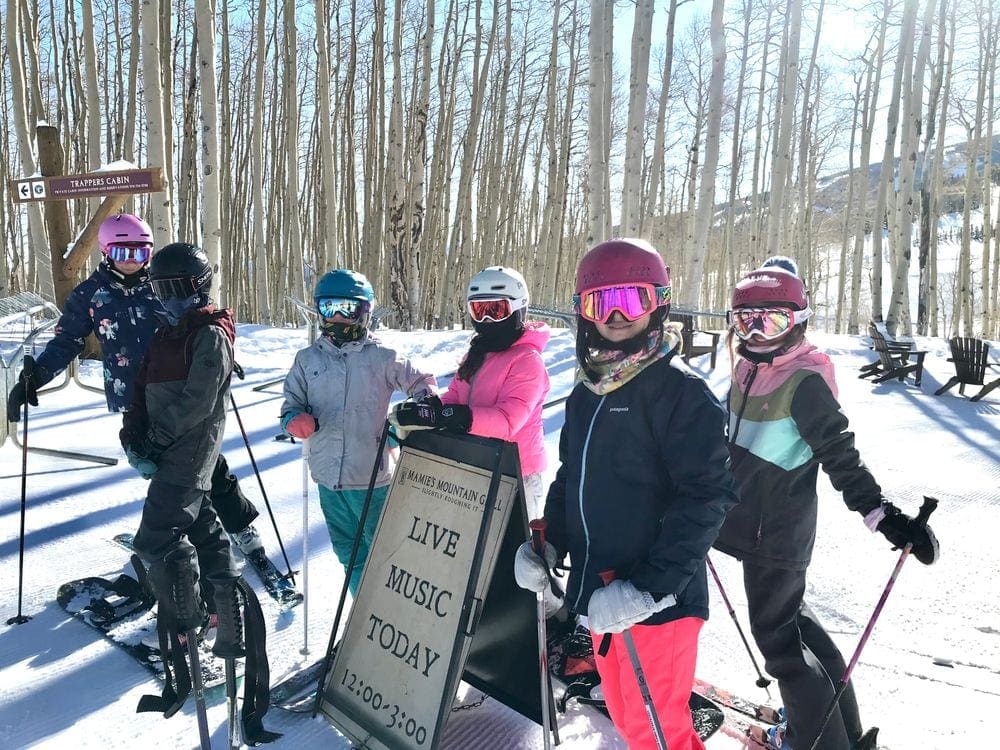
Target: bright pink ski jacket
[506,396]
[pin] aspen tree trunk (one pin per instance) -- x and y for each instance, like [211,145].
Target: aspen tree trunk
[132,97]
[927,224]
[417,189]
[93,108]
[852,180]
[550,235]
[932,294]
[259,239]
[694,269]
[187,188]
[211,221]
[599,223]
[962,313]
[659,139]
[296,270]
[887,172]
[328,250]
[988,173]
[631,223]
[161,206]
[803,214]
[396,219]
[913,87]
[782,155]
[462,230]
[37,253]
[757,241]
[873,77]
[727,278]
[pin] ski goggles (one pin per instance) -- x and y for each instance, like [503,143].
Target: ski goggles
[631,300]
[494,310]
[126,253]
[766,322]
[180,287]
[346,307]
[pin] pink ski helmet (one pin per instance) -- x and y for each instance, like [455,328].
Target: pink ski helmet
[619,262]
[770,286]
[124,229]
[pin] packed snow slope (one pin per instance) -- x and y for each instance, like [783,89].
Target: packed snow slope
[929,677]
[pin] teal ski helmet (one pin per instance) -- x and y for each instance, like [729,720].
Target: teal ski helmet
[343,284]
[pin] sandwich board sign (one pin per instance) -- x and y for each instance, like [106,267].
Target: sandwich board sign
[439,577]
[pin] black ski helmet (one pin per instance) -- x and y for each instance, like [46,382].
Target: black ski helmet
[180,270]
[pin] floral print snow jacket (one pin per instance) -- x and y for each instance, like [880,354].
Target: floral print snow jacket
[122,317]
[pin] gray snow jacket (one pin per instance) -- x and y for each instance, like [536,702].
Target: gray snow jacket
[347,389]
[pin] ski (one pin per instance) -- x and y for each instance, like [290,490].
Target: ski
[277,586]
[297,692]
[755,711]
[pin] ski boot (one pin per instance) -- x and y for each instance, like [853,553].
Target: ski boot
[248,540]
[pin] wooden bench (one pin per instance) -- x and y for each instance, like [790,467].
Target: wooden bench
[971,359]
[894,359]
[689,348]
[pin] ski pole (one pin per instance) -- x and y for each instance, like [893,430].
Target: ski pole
[332,643]
[762,681]
[305,548]
[926,509]
[538,545]
[260,483]
[28,370]
[199,688]
[232,716]
[654,721]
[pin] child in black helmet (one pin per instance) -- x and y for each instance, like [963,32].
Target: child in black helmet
[784,423]
[172,434]
[641,491]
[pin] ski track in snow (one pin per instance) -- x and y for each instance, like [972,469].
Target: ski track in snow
[62,687]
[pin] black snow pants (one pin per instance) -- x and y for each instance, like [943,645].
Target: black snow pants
[801,656]
[234,510]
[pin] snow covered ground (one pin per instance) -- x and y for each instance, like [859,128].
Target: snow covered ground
[930,676]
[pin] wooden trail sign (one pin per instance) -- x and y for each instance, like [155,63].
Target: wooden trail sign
[63,187]
[452,521]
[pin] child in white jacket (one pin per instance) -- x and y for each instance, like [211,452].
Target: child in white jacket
[337,396]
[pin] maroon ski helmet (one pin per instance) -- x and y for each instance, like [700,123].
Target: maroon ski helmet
[770,286]
[621,261]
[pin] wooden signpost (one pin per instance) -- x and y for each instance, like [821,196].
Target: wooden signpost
[443,537]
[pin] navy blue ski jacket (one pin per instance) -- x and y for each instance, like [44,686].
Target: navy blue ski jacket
[123,318]
[643,487]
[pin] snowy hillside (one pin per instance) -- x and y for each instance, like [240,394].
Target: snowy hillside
[930,676]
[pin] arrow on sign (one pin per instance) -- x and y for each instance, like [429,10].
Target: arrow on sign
[24,190]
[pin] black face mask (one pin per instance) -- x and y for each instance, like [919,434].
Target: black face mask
[127,280]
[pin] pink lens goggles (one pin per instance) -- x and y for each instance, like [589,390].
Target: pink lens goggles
[125,253]
[766,322]
[631,300]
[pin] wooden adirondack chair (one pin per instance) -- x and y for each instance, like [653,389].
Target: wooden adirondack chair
[689,348]
[971,359]
[894,361]
[877,331]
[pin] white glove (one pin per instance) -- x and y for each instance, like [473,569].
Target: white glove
[620,605]
[530,571]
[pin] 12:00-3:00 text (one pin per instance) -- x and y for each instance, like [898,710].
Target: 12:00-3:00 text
[396,718]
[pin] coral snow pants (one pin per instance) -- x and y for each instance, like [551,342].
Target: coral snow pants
[668,653]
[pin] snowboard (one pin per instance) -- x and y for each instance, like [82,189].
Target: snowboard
[297,692]
[122,612]
[277,586]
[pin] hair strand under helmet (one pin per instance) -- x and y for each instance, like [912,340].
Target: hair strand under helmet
[125,229]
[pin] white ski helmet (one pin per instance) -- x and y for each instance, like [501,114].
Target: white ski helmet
[498,281]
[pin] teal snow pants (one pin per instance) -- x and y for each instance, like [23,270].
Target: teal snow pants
[342,510]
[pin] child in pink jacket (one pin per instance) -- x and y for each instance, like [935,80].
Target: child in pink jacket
[501,383]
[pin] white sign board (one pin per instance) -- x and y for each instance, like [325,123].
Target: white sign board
[399,662]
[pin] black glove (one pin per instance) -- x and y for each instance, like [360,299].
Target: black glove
[32,378]
[901,530]
[430,414]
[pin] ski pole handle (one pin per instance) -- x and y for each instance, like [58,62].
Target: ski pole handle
[538,527]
